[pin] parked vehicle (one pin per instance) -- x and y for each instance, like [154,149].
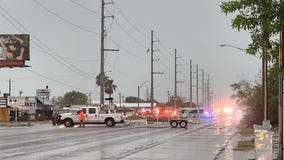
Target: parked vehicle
[195,113]
[56,115]
[93,116]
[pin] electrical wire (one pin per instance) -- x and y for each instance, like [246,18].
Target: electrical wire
[59,82]
[169,53]
[127,51]
[65,20]
[86,8]
[130,36]
[130,23]
[123,29]
[72,59]
[55,56]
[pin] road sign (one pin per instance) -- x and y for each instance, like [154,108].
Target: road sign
[16,101]
[3,102]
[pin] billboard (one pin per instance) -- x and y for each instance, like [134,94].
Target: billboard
[42,93]
[14,50]
[16,101]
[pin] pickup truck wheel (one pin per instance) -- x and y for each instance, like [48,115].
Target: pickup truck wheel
[174,124]
[109,122]
[183,124]
[68,123]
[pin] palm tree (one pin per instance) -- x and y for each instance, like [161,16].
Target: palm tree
[109,87]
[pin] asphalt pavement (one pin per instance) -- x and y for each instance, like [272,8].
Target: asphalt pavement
[209,140]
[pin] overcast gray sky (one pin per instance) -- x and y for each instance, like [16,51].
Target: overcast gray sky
[70,30]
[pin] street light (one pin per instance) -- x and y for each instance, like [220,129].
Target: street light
[264,80]
[228,45]
[139,93]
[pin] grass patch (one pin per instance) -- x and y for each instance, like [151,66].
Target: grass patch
[245,145]
[246,130]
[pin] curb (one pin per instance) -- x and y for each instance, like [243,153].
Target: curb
[16,124]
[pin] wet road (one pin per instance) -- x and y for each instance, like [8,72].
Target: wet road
[208,140]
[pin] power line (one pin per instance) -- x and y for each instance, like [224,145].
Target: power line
[127,51]
[65,20]
[86,8]
[70,58]
[130,23]
[84,29]
[123,29]
[167,51]
[57,57]
[59,82]
[129,35]
[164,65]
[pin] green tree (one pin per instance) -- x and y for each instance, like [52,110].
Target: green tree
[262,19]
[109,87]
[57,100]
[273,93]
[249,95]
[74,98]
[131,99]
[179,101]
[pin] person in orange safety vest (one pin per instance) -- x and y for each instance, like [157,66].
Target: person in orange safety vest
[82,118]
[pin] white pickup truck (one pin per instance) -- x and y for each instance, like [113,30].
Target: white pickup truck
[93,116]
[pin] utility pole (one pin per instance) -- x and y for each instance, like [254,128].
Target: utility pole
[205,92]
[175,75]
[138,101]
[102,74]
[103,35]
[208,92]
[197,86]
[152,71]
[90,100]
[175,98]
[197,93]
[147,94]
[119,99]
[203,88]
[168,96]
[281,79]
[138,98]
[264,84]
[10,87]
[190,84]
[176,81]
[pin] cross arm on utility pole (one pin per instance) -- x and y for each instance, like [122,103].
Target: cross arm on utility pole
[110,50]
[180,81]
[158,72]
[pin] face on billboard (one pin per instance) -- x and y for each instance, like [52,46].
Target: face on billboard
[14,47]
